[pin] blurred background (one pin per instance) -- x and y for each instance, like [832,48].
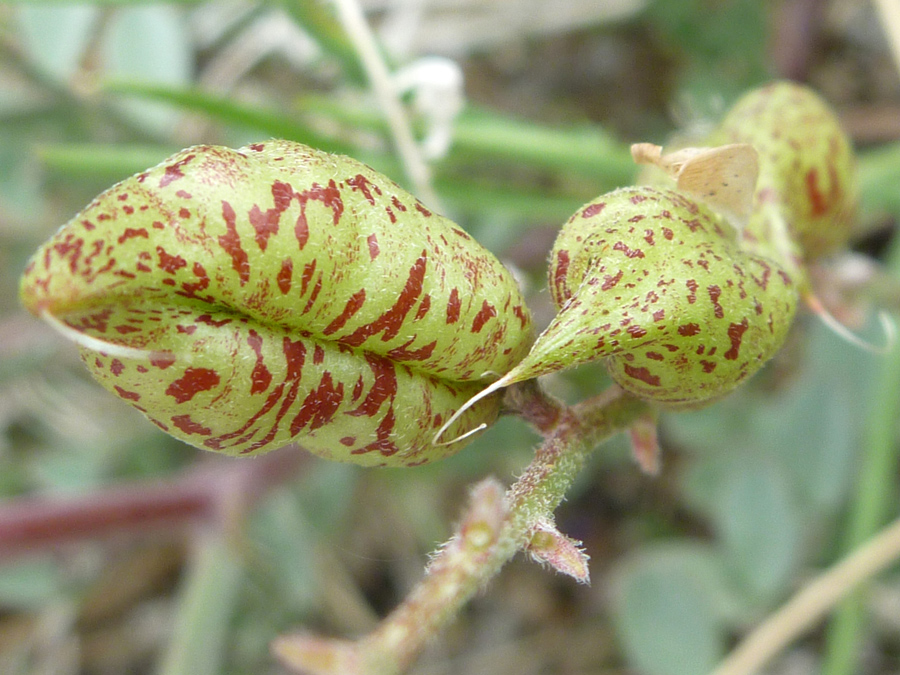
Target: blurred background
[136,554]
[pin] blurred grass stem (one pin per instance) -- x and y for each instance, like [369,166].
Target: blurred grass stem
[417,170]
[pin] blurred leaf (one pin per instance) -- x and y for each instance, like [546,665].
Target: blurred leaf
[30,583]
[879,173]
[206,603]
[318,19]
[286,546]
[149,43]
[722,45]
[109,163]
[268,121]
[665,609]
[20,178]
[55,37]
[758,527]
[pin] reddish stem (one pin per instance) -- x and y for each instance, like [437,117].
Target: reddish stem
[215,490]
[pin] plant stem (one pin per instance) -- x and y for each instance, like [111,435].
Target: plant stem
[812,603]
[873,498]
[360,34]
[215,490]
[208,595]
[491,532]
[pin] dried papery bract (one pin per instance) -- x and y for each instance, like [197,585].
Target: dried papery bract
[722,177]
[282,294]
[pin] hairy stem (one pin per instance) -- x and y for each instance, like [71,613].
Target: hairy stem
[493,529]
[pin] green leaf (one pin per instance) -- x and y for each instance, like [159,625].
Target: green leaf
[29,583]
[267,121]
[56,36]
[665,609]
[758,526]
[151,44]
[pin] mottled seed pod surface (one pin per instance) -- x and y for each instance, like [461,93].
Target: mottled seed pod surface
[657,285]
[807,178]
[283,294]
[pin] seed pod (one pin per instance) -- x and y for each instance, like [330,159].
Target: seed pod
[806,195]
[280,293]
[657,285]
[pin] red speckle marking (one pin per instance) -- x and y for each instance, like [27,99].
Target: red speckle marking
[636,331]
[708,366]
[183,194]
[593,209]
[131,233]
[641,374]
[173,171]
[363,185]
[736,335]
[285,275]
[688,329]
[125,330]
[692,287]
[819,203]
[127,395]
[629,252]
[354,304]
[659,315]
[520,315]
[486,313]
[189,426]
[398,204]
[403,353]
[424,306]
[330,196]
[319,406]
[559,274]
[194,381]
[373,246]
[183,213]
[318,355]
[116,367]
[421,209]
[656,356]
[610,281]
[209,321]
[231,243]
[714,293]
[260,378]
[391,320]
[186,330]
[383,388]
[308,270]
[453,306]
[648,237]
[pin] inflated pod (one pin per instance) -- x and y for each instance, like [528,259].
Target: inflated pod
[274,293]
[806,195]
[658,286]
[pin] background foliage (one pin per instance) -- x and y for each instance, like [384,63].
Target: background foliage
[756,492]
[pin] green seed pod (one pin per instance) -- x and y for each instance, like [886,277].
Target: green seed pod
[806,196]
[658,286]
[244,299]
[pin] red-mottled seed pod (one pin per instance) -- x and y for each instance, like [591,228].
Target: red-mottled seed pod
[657,286]
[806,196]
[246,298]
